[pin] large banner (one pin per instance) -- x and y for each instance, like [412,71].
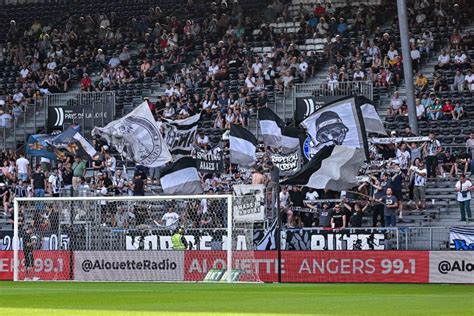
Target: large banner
[316,266]
[305,106]
[47,265]
[249,202]
[128,266]
[451,267]
[289,163]
[210,161]
[88,115]
[461,238]
[180,135]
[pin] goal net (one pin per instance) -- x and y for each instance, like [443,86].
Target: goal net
[150,238]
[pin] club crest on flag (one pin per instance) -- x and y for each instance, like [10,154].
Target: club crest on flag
[147,154]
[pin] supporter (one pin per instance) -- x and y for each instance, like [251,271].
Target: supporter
[458,112]
[463,188]
[39,182]
[444,61]
[420,110]
[390,204]
[431,149]
[470,151]
[458,82]
[469,79]
[395,104]
[338,219]
[421,83]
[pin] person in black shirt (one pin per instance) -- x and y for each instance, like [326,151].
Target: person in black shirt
[138,185]
[28,247]
[38,181]
[67,175]
[357,212]
[338,218]
[297,196]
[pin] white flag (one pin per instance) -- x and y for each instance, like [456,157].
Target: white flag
[137,137]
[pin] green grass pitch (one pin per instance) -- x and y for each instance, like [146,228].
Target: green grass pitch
[58,298]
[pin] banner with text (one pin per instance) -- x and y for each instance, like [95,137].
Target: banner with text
[249,202]
[210,161]
[288,164]
[128,265]
[451,267]
[47,265]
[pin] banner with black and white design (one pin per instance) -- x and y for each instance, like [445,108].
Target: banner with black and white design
[321,239]
[305,106]
[242,146]
[289,163]
[180,135]
[339,123]
[461,238]
[137,137]
[181,177]
[210,161]
[249,202]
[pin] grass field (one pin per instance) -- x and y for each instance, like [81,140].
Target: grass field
[42,298]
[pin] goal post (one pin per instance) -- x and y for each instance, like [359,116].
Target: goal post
[131,238]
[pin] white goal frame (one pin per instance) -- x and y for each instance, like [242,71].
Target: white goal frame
[228,197]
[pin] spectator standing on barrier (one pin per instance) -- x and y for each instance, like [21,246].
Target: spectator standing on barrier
[390,205]
[38,181]
[464,196]
[431,150]
[419,184]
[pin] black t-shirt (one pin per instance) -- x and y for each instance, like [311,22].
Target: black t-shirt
[356,219]
[297,197]
[67,177]
[337,218]
[325,217]
[138,186]
[38,180]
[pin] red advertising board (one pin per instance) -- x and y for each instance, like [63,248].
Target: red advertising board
[316,266]
[48,265]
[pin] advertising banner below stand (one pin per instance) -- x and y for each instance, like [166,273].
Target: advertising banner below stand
[128,265]
[451,267]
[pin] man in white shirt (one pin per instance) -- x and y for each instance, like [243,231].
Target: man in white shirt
[114,61]
[463,189]
[284,197]
[403,156]
[469,78]
[311,195]
[256,66]
[213,69]
[415,57]
[303,68]
[443,61]
[419,188]
[170,219]
[54,183]
[22,166]
[460,60]
[431,150]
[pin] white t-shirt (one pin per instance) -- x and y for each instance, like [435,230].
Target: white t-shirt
[213,69]
[432,147]
[403,158]
[443,59]
[465,186]
[170,218]
[460,59]
[392,54]
[256,67]
[470,81]
[55,182]
[284,199]
[420,181]
[396,103]
[111,164]
[22,165]
[311,195]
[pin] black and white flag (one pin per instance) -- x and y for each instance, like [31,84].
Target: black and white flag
[181,177]
[137,137]
[243,145]
[333,167]
[180,135]
[210,161]
[290,139]
[339,123]
[372,121]
[268,241]
[271,126]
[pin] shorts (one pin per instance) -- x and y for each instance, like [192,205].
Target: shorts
[419,193]
[23,176]
[155,172]
[29,262]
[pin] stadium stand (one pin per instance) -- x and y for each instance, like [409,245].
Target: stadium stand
[234,59]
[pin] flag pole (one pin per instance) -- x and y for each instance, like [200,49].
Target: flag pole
[278,230]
